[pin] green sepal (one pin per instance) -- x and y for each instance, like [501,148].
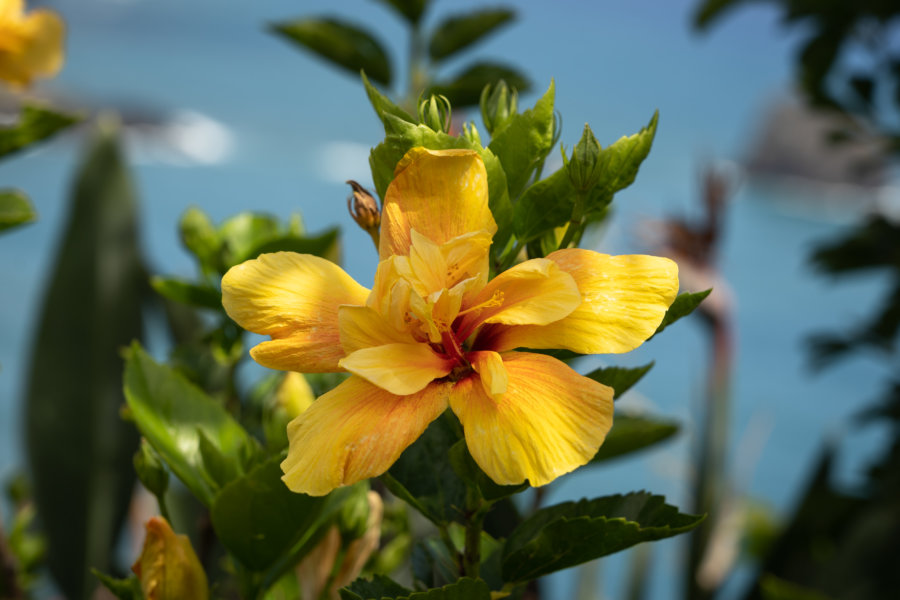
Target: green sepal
[620,379]
[631,433]
[186,292]
[34,124]
[618,164]
[684,304]
[15,209]
[468,470]
[123,589]
[340,43]
[172,413]
[498,103]
[464,90]
[572,533]
[525,141]
[456,33]
[262,523]
[385,588]
[584,168]
[384,105]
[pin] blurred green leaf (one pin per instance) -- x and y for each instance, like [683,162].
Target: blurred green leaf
[341,43]
[78,448]
[324,245]
[15,209]
[258,519]
[465,89]
[620,379]
[185,292]
[572,533]
[684,304]
[435,565]
[411,10]
[776,588]
[200,237]
[173,415]
[631,433]
[424,477]
[34,125]
[123,589]
[151,471]
[524,142]
[709,10]
[461,31]
[544,206]
[383,105]
[381,588]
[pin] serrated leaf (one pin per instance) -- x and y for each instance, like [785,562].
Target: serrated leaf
[78,447]
[464,90]
[123,589]
[544,206]
[424,477]
[684,304]
[186,292]
[411,10]
[461,31]
[34,125]
[341,43]
[172,413]
[384,105]
[631,433]
[15,209]
[259,520]
[618,164]
[524,142]
[381,588]
[572,533]
[620,379]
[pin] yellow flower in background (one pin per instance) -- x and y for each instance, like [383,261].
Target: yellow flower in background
[434,333]
[31,45]
[168,567]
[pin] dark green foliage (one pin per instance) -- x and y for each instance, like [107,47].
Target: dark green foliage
[78,447]
[572,533]
[15,209]
[340,43]
[381,588]
[188,293]
[461,31]
[632,433]
[34,125]
[411,10]
[684,304]
[620,379]
[464,90]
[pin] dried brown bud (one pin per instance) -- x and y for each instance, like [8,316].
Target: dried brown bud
[364,209]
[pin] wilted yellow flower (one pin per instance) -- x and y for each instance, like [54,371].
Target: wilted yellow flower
[168,568]
[434,332]
[31,45]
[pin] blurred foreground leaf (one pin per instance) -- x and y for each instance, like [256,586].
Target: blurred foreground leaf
[15,209]
[34,125]
[341,43]
[411,10]
[465,89]
[572,533]
[381,588]
[78,447]
[632,433]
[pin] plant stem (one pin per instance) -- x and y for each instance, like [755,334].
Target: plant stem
[575,224]
[472,551]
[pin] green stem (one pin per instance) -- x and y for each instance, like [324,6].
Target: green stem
[575,224]
[472,552]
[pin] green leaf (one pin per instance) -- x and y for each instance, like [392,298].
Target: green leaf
[618,164]
[572,533]
[324,245]
[123,589]
[466,467]
[544,206]
[341,43]
[383,105]
[632,433]
[465,89]
[381,587]
[258,519]
[620,379]
[424,477]
[78,447]
[15,209]
[200,237]
[173,414]
[411,10]
[185,292]
[524,142]
[34,125]
[459,32]
[684,304]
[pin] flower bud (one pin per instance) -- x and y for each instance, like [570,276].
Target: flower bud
[168,568]
[584,167]
[434,112]
[150,469]
[353,515]
[499,104]
[470,132]
[364,210]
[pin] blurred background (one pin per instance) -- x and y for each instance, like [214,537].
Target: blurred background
[224,115]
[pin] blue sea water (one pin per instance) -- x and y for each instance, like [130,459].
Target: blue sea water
[275,130]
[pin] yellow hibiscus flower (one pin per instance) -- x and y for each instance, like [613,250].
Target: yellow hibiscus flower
[434,333]
[31,45]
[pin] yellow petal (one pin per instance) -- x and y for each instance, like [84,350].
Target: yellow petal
[294,298]
[535,292]
[30,46]
[401,369]
[490,369]
[550,421]
[355,431]
[625,300]
[363,327]
[441,194]
[168,567]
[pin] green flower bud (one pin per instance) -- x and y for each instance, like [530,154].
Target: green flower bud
[353,517]
[583,168]
[150,469]
[434,112]
[471,133]
[499,103]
